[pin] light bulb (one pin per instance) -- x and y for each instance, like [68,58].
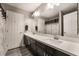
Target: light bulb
[50,5]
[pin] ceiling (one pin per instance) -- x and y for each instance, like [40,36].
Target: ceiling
[46,13]
[29,7]
[64,7]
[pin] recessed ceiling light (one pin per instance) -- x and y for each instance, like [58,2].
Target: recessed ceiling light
[51,5]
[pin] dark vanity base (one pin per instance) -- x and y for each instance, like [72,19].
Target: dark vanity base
[40,49]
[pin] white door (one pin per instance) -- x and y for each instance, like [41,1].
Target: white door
[14,29]
[70,24]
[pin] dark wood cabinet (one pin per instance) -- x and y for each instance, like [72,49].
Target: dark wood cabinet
[59,53]
[33,46]
[54,52]
[50,51]
[27,41]
[30,44]
[40,49]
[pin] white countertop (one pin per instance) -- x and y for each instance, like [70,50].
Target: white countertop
[68,47]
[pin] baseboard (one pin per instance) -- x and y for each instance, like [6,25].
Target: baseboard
[15,48]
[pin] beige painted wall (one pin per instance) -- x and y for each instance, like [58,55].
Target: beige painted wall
[52,28]
[35,22]
[2,36]
[31,24]
[55,29]
[41,25]
[3,40]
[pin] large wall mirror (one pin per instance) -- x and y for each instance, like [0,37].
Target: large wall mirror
[52,26]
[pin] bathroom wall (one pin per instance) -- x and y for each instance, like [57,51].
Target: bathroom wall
[55,28]
[4,41]
[2,35]
[39,22]
[52,28]
[41,25]
[31,24]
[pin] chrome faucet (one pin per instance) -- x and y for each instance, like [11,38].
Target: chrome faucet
[56,37]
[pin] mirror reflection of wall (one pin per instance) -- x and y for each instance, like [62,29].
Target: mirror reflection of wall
[52,26]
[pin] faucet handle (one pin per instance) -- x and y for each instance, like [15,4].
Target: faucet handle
[56,37]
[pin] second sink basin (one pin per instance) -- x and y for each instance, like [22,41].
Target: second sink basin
[54,41]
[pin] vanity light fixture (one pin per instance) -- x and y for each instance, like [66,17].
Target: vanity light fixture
[36,13]
[50,5]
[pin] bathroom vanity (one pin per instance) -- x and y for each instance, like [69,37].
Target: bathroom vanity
[48,45]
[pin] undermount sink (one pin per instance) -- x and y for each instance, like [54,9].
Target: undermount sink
[57,41]
[54,41]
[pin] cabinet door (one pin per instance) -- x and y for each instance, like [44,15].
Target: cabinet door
[41,49]
[50,51]
[25,38]
[14,29]
[33,46]
[70,24]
